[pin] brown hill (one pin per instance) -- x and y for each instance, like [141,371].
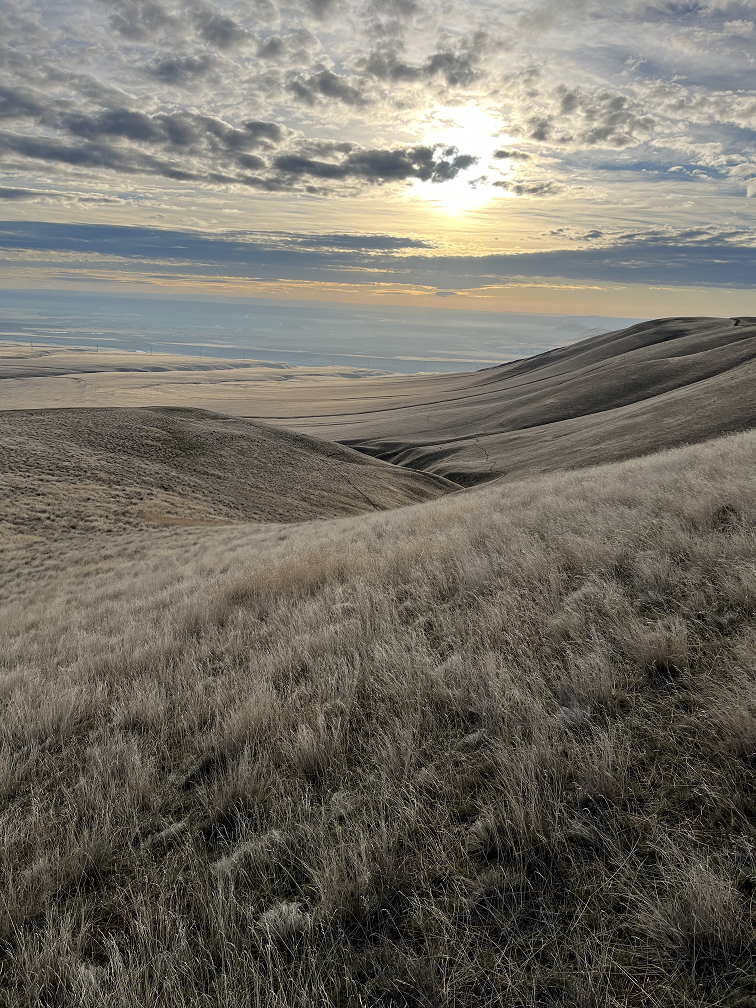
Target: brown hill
[495,750]
[616,395]
[105,469]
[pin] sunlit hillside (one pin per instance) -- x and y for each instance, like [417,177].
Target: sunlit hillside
[492,749]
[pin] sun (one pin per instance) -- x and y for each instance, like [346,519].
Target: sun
[473,131]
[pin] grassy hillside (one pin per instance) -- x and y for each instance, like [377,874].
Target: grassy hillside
[656,385]
[496,749]
[95,470]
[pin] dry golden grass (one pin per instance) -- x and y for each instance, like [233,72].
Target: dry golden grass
[104,470]
[492,750]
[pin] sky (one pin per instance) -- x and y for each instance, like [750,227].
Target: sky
[568,158]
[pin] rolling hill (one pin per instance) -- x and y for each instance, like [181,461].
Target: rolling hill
[496,749]
[617,395]
[96,470]
[493,750]
[656,385]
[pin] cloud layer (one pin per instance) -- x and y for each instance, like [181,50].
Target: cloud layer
[642,111]
[707,257]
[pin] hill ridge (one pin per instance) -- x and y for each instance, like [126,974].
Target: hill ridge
[455,425]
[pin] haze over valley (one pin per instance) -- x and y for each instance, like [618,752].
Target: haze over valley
[399,340]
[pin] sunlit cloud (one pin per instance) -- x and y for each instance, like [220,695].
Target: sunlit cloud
[474,130]
[589,140]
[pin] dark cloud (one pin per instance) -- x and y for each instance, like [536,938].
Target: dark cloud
[294,48]
[711,235]
[599,117]
[41,194]
[250,161]
[272,47]
[145,20]
[16,103]
[219,30]
[325,85]
[540,128]
[185,146]
[435,164]
[119,122]
[197,136]
[531,187]
[17,194]
[92,155]
[320,8]
[139,20]
[246,248]
[385,66]
[458,68]
[325,148]
[261,131]
[181,70]
[511,155]
[388,19]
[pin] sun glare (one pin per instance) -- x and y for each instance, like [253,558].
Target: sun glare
[471,130]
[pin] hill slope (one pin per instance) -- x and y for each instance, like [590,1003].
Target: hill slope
[104,469]
[495,750]
[617,395]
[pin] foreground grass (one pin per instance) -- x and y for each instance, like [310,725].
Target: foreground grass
[497,749]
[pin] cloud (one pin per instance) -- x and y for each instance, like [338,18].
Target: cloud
[139,20]
[145,20]
[435,163]
[705,257]
[181,70]
[325,85]
[41,195]
[16,103]
[458,68]
[591,118]
[188,146]
[531,187]
[711,235]
[511,155]
[286,100]
[92,155]
[219,30]
[383,243]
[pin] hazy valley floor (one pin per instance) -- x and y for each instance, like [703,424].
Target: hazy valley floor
[495,749]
